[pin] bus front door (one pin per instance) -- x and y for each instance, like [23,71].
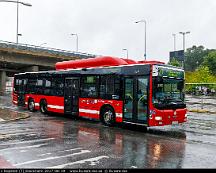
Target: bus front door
[135,102]
[71,96]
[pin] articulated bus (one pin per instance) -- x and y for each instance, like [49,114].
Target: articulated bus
[109,89]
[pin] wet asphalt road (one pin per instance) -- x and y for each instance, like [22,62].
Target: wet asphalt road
[51,141]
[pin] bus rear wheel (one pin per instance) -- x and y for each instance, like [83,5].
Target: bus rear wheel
[31,105]
[43,107]
[108,116]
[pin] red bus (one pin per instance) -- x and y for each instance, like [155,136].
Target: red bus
[109,89]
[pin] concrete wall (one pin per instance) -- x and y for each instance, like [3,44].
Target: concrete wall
[3,79]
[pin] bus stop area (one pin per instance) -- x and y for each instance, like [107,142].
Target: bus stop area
[53,141]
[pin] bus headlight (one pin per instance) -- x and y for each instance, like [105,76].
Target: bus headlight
[158,118]
[186,115]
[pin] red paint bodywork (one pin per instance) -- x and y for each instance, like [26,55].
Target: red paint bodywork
[95,105]
[91,62]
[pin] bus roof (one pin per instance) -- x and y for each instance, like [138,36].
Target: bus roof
[103,61]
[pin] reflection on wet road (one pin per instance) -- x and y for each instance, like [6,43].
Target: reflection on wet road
[50,141]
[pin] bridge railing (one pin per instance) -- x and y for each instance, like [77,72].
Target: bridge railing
[35,48]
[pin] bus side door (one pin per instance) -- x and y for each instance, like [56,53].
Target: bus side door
[71,96]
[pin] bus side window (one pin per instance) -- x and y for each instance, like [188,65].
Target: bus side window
[48,89]
[16,85]
[31,86]
[110,87]
[89,86]
[39,86]
[58,86]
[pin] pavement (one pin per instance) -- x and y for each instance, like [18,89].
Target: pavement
[11,115]
[201,104]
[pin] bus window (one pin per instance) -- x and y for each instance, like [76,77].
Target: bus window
[110,87]
[47,89]
[39,86]
[58,86]
[89,86]
[31,86]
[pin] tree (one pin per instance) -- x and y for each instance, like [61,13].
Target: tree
[210,62]
[194,57]
[175,62]
[201,75]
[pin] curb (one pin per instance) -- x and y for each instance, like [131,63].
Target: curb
[15,119]
[202,111]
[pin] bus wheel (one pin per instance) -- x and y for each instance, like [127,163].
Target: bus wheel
[108,116]
[43,107]
[31,105]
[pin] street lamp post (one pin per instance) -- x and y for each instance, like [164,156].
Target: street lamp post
[183,34]
[17,2]
[126,51]
[144,21]
[76,41]
[174,36]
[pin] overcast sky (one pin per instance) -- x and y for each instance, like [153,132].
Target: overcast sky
[105,27]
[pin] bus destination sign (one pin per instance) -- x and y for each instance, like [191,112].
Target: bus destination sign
[167,72]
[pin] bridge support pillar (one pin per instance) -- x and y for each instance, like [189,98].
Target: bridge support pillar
[3,78]
[32,69]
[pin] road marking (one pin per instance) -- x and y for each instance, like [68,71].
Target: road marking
[44,154]
[60,151]
[30,141]
[70,150]
[23,133]
[92,160]
[23,151]
[25,147]
[52,158]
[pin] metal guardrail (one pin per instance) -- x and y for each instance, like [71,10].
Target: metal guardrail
[34,48]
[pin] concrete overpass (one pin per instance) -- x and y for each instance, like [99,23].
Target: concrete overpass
[16,58]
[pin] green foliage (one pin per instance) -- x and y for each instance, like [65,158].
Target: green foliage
[201,75]
[194,57]
[210,62]
[175,62]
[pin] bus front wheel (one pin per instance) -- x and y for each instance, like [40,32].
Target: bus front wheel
[43,107]
[108,116]
[31,105]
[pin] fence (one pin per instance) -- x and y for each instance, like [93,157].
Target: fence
[208,89]
[34,48]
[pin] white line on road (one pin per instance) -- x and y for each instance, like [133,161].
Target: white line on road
[16,134]
[30,141]
[52,158]
[94,159]
[1,119]
[60,151]
[44,154]
[25,147]
[70,150]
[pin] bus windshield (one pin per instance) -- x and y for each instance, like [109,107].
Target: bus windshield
[168,93]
